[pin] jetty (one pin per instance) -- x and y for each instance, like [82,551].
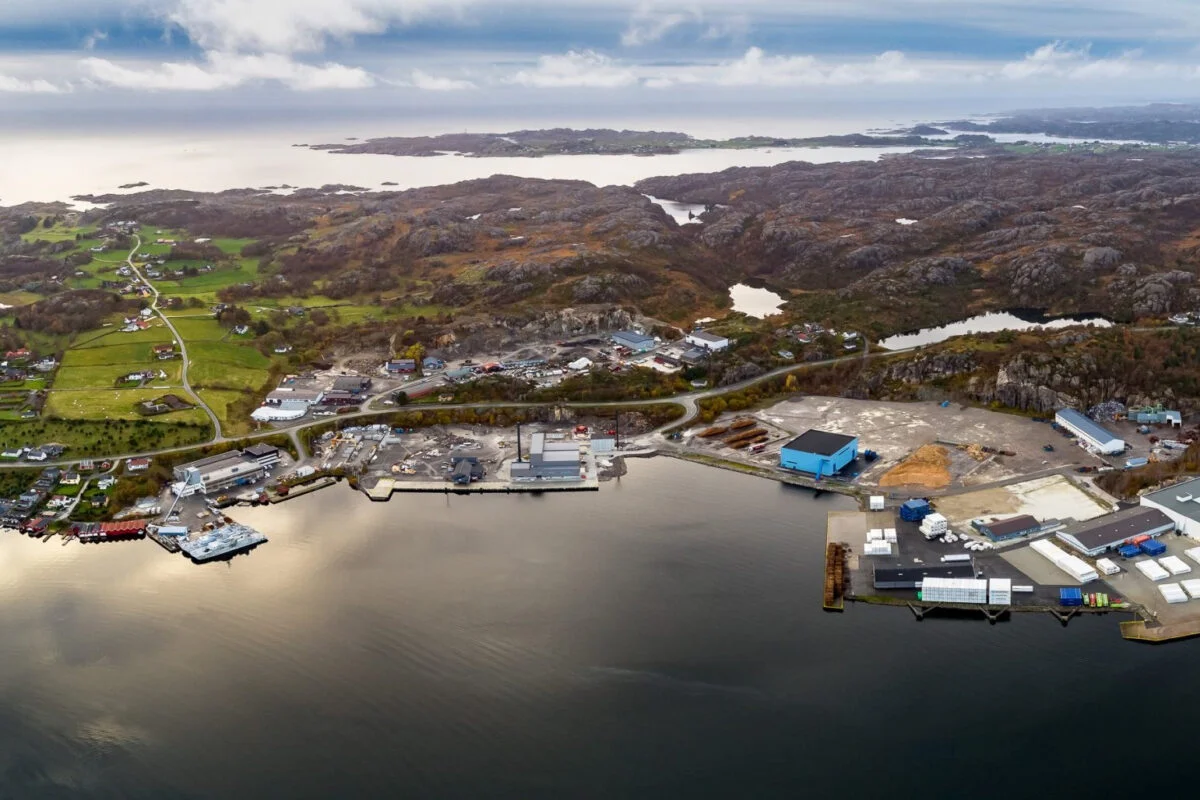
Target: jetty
[383,489]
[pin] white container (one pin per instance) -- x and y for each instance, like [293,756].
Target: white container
[956,558]
[1193,553]
[877,502]
[878,549]
[1172,593]
[1152,570]
[1022,590]
[1174,565]
[1000,592]
[1077,568]
[954,590]
[1107,567]
[875,535]
[889,534]
[1192,587]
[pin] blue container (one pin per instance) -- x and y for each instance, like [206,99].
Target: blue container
[1152,547]
[1071,596]
[1129,551]
[914,510]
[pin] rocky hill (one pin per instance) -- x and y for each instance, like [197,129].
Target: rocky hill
[886,245]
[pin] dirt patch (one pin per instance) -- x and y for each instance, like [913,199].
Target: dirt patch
[929,467]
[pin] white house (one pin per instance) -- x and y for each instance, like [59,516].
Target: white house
[706,340]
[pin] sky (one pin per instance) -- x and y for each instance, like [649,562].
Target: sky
[330,56]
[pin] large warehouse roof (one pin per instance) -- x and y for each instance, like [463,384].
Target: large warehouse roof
[1114,528]
[1086,426]
[1182,498]
[823,443]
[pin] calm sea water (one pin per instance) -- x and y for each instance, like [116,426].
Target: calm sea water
[660,638]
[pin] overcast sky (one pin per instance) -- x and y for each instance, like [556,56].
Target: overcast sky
[457,54]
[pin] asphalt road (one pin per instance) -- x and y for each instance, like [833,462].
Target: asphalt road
[689,401]
[187,387]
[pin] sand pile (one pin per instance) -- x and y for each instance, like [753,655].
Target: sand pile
[929,467]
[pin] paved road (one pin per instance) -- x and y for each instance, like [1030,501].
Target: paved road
[187,387]
[689,401]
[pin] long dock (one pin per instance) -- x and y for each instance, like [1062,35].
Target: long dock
[791,479]
[1140,631]
[302,489]
[383,490]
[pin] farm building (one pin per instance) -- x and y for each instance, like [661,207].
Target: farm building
[1181,503]
[1000,530]
[1098,536]
[1094,436]
[819,453]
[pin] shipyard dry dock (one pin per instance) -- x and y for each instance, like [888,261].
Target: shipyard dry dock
[890,579]
[583,477]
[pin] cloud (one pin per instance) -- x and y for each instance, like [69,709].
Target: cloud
[226,71]
[92,39]
[1059,60]
[756,68]
[291,26]
[575,69]
[648,25]
[433,83]
[22,86]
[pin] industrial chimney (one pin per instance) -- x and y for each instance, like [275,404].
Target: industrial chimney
[518,443]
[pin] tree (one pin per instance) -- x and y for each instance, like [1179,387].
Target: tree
[791,384]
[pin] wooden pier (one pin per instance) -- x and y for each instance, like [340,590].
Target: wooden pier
[383,490]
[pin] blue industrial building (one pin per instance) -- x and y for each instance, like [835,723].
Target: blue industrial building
[637,342]
[819,453]
[1001,530]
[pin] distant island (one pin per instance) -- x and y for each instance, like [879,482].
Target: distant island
[137,185]
[565,141]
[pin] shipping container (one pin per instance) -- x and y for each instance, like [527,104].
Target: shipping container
[1145,537]
[1000,592]
[1153,548]
[1070,596]
[1174,565]
[954,558]
[1152,570]
[1192,587]
[1107,567]
[1132,551]
[954,590]
[1022,589]
[1172,593]
[1193,553]
[1077,568]
[878,549]
[875,535]
[878,502]
[914,510]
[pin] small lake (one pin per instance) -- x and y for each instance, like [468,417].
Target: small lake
[682,213]
[991,322]
[754,302]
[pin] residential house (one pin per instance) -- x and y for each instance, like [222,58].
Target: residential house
[105,483]
[401,366]
[71,478]
[137,465]
[18,355]
[164,351]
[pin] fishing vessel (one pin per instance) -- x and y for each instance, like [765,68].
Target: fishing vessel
[222,541]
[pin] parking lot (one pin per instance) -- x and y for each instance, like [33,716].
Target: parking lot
[1136,587]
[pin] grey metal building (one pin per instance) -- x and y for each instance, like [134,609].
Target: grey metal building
[909,577]
[548,460]
[1097,536]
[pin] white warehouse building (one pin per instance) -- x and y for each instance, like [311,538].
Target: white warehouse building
[1097,439]
[1181,503]
[706,341]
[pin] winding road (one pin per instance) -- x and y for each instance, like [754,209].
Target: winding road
[689,401]
[187,387]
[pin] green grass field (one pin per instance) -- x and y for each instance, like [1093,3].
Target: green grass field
[105,376]
[135,354]
[198,329]
[102,404]
[219,400]
[99,438]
